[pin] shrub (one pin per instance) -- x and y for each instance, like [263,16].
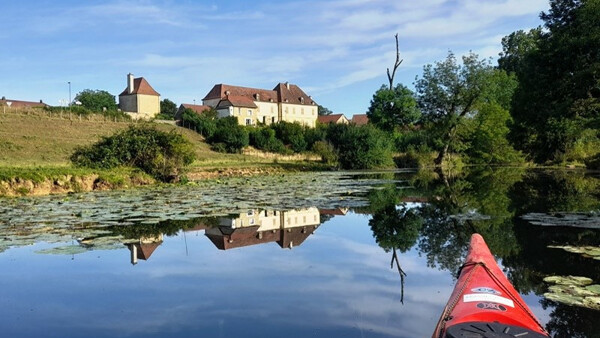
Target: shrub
[160,154]
[361,147]
[264,139]
[204,124]
[291,134]
[326,151]
[231,134]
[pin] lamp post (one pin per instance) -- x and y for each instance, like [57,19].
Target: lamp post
[69,97]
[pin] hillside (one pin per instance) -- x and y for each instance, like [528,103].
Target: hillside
[39,139]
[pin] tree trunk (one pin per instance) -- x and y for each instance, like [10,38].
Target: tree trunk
[442,155]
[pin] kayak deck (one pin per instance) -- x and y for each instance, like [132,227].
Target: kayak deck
[484,303]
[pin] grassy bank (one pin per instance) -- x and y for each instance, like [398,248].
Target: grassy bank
[35,147]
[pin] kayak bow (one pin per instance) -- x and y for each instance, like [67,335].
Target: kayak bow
[484,303]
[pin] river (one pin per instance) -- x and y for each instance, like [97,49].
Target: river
[292,255]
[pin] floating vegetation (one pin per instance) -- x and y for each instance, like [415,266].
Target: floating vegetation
[60,218]
[588,220]
[585,251]
[573,291]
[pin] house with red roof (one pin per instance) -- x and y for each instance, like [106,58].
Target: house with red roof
[17,104]
[251,106]
[196,108]
[139,99]
[360,119]
[333,118]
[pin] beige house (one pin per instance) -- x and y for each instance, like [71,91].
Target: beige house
[139,99]
[286,102]
[196,108]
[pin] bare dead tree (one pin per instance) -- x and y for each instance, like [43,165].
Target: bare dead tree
[396,65]
[400,271]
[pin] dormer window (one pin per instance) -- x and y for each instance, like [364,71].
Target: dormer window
[302,100]
[257,96]
[270,100]
[286,100]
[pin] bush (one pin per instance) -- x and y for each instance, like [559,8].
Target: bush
[204,124]
[326,151]
[231,134]
[160,154]
[291,134]
[361,147]
[264,139]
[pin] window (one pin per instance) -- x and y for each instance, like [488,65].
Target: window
[249,112]
[250,213]
[251,221]
[302,111]
[264,120]
[248,122]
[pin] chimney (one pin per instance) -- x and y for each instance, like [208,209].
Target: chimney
[41,101]
[287,85]
[129,83]
[3,98]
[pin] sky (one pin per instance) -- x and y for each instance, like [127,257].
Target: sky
[337,51]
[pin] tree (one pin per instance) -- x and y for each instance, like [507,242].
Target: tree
[360,147]
[229,135]
[393,108]
[168,108]
[515,48]
[323,110]
[556,108]
[448,92]
[96,100]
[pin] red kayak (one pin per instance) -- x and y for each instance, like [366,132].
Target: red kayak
[484,303]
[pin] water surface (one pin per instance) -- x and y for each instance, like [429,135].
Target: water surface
[293,255]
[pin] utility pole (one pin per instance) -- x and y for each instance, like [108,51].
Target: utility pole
[69,97]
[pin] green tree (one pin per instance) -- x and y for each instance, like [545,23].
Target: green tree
[391,109]
[205,124]
[556,108]
[168,108]
[323,110]
[229,135]
[361,147]
[160,154]
[515,48]
[96,100]
[448,93]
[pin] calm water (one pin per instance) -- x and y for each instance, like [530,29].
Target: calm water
[294,256]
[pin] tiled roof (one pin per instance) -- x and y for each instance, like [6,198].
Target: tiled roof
[220,91]
[281,93]
[141,86]
[290,93]
[360,119]
[21,104]
[333,118]
[145,250]
[237,101]
[293,237]
[195,107]
[241,237]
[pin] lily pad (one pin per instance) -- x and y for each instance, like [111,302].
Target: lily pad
[569,280]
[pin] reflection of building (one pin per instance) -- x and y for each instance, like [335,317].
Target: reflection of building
[144,248]
[334,212]
[287,228]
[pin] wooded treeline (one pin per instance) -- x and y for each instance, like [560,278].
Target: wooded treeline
[540,103]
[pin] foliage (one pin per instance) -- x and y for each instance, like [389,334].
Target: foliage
[168,108]
[160,154]
[96,100]
[323,110]
[361,147]
[392,109]
[448,92]
[264,139]
[228,132]
[291,134]
[205,124]
[559,87]
[327,152]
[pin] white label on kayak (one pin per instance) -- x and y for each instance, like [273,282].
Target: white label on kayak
[484,297]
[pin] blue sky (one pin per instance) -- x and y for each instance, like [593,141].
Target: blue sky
[337,51]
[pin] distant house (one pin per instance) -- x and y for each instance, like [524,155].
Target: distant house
[333,118]
[197,108]
[360,119]
[286,102]
[144,248]
[4,102]
[139,99]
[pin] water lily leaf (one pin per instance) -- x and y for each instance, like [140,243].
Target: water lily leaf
[595,288]
[564,298]
[63,250]
[592,302]
[569,280]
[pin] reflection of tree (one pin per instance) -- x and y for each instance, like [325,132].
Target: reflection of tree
[462,204]
[572,322]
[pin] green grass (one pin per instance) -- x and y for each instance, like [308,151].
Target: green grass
[43,142]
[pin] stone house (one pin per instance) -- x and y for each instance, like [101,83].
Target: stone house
[139,99]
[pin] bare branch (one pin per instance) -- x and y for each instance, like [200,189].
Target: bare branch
[400,271]
[396,65]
